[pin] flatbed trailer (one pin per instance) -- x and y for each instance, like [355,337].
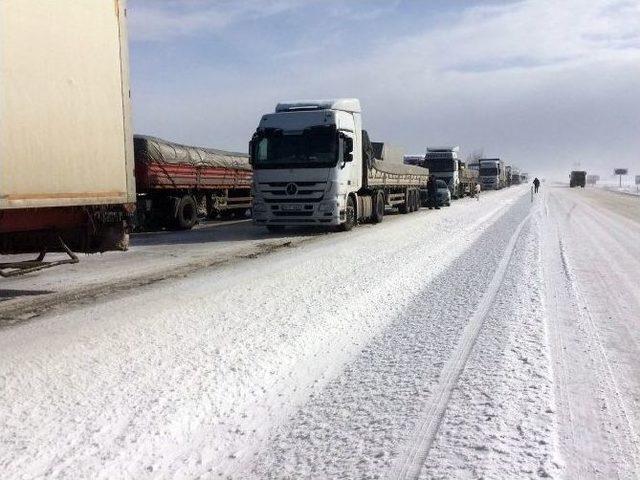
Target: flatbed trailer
[468,180]
[401,185]
[178,184]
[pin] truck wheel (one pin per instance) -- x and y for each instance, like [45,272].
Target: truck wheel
[378,208]
[186,215]
[416,200]
[350,214]
[228,214]
[404,207]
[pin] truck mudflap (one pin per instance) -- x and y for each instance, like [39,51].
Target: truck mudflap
[13,269]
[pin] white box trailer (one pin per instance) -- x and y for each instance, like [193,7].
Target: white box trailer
[66,144]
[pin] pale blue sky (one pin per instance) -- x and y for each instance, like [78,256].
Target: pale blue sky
[542,83]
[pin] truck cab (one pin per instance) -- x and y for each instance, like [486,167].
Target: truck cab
[443,163]
[578,178]
[491,174]
[306,159]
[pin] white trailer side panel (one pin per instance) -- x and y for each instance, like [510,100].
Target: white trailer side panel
[65,130]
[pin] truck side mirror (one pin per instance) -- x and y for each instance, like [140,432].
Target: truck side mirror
[347,149]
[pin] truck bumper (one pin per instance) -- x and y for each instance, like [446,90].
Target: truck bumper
[297,221]
[311,215]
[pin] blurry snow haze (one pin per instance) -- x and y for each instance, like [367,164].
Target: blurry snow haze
[546,85]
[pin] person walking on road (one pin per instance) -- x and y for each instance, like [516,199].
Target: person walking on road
[536,184]
[432,190]
[476,191]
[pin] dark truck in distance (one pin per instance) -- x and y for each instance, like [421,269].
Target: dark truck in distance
[577,178]
[177,184]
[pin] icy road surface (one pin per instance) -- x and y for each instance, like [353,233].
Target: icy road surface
[493,339]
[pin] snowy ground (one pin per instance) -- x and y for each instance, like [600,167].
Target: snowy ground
[627,187]
[492,339]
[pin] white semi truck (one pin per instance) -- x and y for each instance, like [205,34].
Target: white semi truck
[314,165]
[443,163]
[492,174]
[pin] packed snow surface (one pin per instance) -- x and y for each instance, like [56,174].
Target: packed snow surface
[493,339]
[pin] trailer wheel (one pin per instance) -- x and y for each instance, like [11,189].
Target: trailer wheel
[228,214]
[405,207]
[186,213]
[350,214]
[378,208]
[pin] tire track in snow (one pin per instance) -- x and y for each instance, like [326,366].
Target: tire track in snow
[557,302]
[412,459]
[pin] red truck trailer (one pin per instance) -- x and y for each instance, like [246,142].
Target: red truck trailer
[177,184]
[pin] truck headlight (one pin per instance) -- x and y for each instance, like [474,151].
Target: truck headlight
[329,188]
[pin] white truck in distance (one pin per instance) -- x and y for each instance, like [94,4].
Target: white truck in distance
[314,165]
[492,174]
[444,164]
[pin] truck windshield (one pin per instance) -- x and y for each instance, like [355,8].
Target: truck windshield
[308,148]
[488,171]
[440,164]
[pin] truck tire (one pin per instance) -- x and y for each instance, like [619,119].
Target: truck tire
[232,214]
[186,213]
[416,200]
[378,208]
[404,207]
[350,216]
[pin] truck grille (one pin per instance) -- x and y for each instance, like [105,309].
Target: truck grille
[293,192]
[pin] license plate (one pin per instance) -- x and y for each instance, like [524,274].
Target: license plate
[291,208]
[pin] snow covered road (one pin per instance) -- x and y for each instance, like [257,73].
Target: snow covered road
[433,345]
[592,264]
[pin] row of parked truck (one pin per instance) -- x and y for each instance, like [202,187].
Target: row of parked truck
[462,177]
[76,179]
